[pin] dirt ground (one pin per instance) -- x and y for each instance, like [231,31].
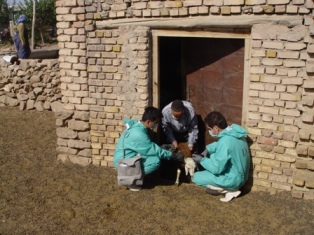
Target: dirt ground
[39,195]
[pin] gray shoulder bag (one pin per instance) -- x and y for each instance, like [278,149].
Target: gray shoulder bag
[129,169]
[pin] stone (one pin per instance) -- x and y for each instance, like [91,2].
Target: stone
[56,106]
[39,106]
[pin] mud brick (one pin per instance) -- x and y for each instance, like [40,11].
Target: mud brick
[272,163]
[285,158]
[255,116]
[270,87]
[279,149]
[267,141]
[303,135]
[300,165]
[263,183]
[309,84]
[269,95]
[279,9]
[288,128]
[290,112]
[302,150]
[297,194]
[173,4]
[257,44]
[253,93]
[257,70]
[303,10]
[270,70]
[288,172]
[311,152]
[270,79]
[258,53]
[270,110]
[189,3]
[266,148]
[225,10]
[288,136]
[278,178]
[255,2]
[109,146]
[278,119]
[269,126]
[282,186]
[294,63]
[307,117]
[254,131]
[286,143]
[288,54]
[273,45]
[272,62]
[295,46]
[309,184]
[292,9]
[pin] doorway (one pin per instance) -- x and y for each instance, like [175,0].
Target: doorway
[208,72]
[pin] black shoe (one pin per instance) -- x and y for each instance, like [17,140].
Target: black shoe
[213,192]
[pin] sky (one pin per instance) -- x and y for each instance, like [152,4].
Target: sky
[10,2]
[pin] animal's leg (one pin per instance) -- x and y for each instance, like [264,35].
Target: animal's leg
[178,176]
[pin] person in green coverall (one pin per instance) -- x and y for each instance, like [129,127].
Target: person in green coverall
[135,140]
[226,162]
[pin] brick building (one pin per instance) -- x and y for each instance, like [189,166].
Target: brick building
[250,59]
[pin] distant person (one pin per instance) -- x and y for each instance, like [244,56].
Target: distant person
[179,123]
[226,162]
[21,39]
[135,141]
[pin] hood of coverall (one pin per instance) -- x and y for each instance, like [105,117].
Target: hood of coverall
[129,123]
[235,131]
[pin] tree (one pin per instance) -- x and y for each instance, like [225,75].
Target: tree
[4,14]
[45,17]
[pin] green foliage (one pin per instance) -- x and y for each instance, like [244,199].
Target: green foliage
[45,17]
[4,14]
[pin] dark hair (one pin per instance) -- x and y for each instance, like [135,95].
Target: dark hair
[216,119]
[177,106]
[152,114]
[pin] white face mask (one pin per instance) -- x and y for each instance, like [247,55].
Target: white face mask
[212,135]
[154,126]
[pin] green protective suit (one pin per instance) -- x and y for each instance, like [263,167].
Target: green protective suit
[228,162]
[135,140]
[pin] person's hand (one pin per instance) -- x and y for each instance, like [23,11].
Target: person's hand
[205,153]
[175,144]
[178,157]
[168,147]
[197,158]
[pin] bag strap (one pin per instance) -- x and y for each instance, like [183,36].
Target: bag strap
[123,150]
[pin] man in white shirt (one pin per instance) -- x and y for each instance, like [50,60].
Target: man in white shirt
[179,123]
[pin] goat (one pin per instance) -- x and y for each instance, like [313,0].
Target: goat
[189,164]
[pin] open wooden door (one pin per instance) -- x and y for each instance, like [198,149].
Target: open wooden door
[214,70]
[208,72]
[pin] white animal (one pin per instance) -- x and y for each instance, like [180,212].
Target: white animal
[189,166]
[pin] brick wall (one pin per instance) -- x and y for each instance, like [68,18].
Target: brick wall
[106,76]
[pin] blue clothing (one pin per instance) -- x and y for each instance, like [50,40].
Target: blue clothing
[23,51]
[135,140]
[187,124]
[22,19]
[21,39]
[228,163]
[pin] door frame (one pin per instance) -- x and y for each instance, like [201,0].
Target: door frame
[178,33]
